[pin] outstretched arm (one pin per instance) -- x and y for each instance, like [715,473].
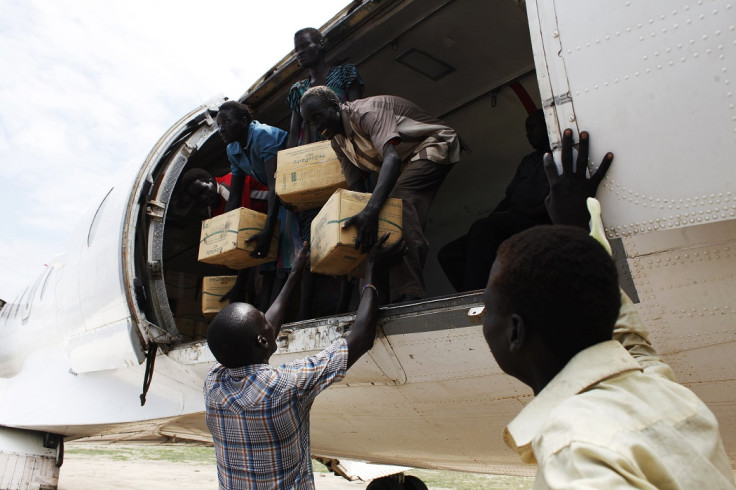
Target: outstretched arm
[263,238]
[363,332]
[366,221]
[277,311]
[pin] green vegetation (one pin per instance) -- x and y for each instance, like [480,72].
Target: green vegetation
[456,480]
[176,453]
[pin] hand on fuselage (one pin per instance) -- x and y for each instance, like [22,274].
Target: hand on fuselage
[569,191]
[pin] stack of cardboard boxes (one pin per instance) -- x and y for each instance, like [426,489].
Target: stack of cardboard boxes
[307,177]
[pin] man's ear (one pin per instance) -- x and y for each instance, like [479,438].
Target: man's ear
[262,341]
[516,332]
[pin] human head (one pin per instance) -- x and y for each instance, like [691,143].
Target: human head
[240,335]
[232,120]
[309,47]
[536,131]
[198,184]
[320,107]
[552,292]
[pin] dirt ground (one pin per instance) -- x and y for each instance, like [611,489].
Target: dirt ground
[87,472]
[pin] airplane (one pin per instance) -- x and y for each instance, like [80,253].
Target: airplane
[114,320]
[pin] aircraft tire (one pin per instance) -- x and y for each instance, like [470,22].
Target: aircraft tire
[413,483]
[384,483]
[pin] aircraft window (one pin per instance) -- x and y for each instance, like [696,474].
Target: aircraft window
[96,219]
[28,303]
[16,306]
[46,281]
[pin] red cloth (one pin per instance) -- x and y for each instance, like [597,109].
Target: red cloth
[247,201]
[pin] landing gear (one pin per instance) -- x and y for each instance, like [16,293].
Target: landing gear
[397,482]
[30,459]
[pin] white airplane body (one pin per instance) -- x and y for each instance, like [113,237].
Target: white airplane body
[651,81]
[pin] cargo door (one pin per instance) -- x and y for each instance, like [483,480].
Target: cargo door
[145,222]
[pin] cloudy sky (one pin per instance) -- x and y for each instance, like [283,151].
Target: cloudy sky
[88,87]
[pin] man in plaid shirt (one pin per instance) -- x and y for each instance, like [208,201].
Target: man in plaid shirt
[259,415]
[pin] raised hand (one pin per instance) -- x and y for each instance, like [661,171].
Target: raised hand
[302,258]
[568,191]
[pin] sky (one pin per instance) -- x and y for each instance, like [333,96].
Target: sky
[88,87]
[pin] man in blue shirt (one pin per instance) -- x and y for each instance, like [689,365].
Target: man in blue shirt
[251,150]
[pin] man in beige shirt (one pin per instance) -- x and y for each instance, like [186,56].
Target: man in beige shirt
[410,151]
[607,412]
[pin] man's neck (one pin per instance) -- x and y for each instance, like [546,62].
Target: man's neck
[318,73]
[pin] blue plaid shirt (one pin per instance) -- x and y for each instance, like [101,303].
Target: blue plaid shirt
[259,419]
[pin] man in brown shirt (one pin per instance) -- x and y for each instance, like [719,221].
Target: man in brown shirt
[409,150]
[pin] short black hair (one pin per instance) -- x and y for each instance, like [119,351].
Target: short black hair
[192,175]
[323,94]
[232,334]
[237,108]
[314,33]
[536,118]
[564,285]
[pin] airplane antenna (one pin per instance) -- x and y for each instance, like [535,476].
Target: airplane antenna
[148,375]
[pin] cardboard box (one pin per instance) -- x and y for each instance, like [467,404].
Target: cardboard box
[307,175]
[223,237]
[333,249]
[213,287]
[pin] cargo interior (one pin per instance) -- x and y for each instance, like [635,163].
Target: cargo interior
[456,59]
